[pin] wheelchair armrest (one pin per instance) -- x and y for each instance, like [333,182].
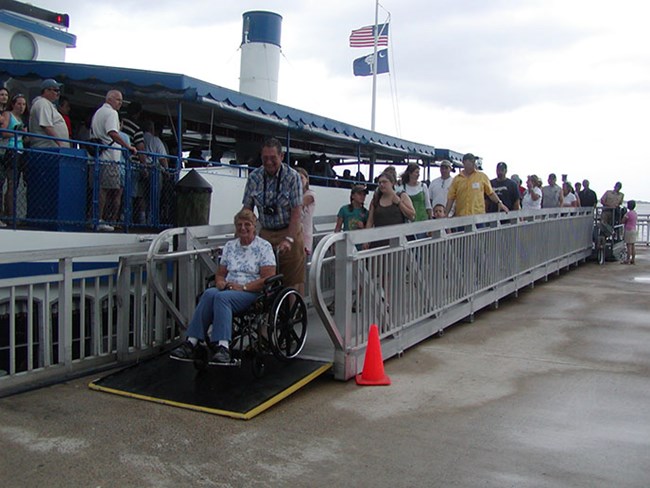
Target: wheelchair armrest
[273,279]
[270,284]
[273,282]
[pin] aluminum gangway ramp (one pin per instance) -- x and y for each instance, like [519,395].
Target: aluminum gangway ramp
[230,392]
[227,391]
[239,392]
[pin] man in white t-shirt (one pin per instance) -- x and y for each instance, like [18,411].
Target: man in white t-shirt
[105,126]
[439,187]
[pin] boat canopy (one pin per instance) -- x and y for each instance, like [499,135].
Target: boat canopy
[211,112]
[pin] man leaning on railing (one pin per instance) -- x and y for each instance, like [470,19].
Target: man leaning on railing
[105,126]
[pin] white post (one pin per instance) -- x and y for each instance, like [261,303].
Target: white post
[374,70]
[260,54]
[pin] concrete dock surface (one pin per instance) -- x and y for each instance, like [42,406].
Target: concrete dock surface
[550,389]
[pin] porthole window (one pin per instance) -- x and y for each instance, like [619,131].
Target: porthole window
[23,46]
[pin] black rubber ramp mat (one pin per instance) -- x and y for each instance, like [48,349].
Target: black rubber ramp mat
[229,391]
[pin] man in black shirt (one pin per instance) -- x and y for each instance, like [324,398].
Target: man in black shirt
[588,197]
[506,189]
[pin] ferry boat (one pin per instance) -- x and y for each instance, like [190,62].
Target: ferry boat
[196,114]
[190,114]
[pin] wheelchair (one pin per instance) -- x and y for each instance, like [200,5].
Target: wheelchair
[608,243]
[276,324]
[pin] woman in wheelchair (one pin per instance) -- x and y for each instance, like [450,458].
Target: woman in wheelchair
[245,263]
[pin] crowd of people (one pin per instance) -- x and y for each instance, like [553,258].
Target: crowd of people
[43,118]
[132,136]
[285,205]
[403,198]
[284,202]
[129,135]
[471,192]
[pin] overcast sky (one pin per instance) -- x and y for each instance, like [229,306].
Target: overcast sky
[546,85]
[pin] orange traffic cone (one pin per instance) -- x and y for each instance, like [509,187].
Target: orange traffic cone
[373,365]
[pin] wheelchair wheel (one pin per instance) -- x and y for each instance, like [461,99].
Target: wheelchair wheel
[288,324]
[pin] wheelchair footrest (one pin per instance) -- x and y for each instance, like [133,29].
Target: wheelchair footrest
[184,360]
[234,362]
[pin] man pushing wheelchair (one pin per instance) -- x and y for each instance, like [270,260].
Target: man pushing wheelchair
[249,260]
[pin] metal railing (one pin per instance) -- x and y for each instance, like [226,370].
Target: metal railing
[59,188]
[192,253]
[413,289]
[72,321]
[78,318]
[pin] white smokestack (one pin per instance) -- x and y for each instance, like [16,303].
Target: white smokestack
[260,54]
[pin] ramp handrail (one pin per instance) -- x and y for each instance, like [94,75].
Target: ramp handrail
[193,242]
[415,288]
[320,256]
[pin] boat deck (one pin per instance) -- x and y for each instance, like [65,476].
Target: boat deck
[548,390]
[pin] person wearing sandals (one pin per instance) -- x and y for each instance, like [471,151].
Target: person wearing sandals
[246,262]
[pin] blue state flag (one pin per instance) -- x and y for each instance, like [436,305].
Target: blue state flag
[363,66]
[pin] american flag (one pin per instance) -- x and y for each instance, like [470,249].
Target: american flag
[365,36]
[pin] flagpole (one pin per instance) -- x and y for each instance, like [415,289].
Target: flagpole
[374,69]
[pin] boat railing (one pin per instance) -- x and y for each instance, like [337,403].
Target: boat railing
[414,288]
[60,188]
